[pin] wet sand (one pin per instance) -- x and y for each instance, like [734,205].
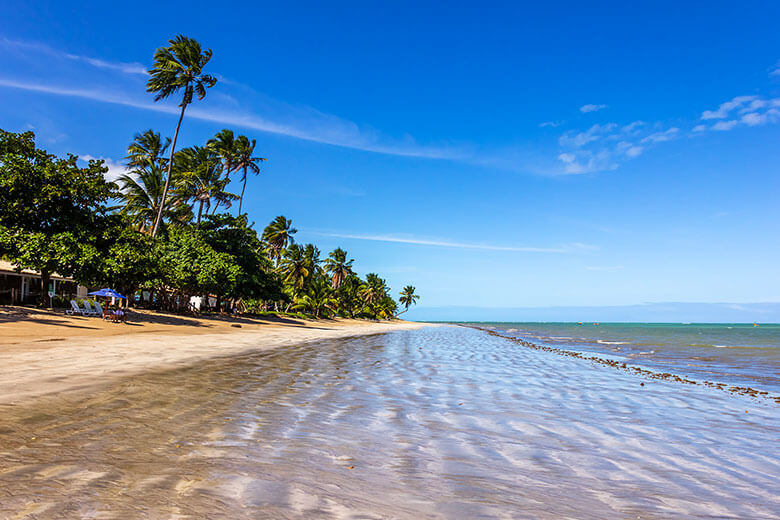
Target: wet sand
[440,422]
[45,352]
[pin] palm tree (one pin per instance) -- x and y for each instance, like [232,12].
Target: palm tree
[245,161]
[277,236]
[319,298]
[142,192]
[295,268]
[147,148]
[338,267]
[408,298]
[176,67]
[373,290]
[200,179]
[225,146]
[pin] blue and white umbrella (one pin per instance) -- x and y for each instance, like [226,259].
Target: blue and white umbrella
[109,293]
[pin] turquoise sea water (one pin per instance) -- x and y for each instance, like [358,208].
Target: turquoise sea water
[732,353]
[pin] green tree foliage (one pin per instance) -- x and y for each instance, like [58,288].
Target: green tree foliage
[190,265]
[232,235]
[49,207]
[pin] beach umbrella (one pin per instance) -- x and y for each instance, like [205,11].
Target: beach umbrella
[108,293]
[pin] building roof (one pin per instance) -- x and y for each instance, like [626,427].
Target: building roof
[9,268]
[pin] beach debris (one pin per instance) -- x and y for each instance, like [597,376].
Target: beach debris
[236,325]
[350,467]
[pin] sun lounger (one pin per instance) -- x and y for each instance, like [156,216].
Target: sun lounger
[89,311]
[75,309]
[104,313]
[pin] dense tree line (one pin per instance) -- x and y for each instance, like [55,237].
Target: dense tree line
[159,228]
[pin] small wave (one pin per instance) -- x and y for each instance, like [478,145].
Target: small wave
[648,352]
[512,330]
[612,342]
[561,337]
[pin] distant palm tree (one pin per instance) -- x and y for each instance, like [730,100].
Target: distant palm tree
[225,146]
[338,267]
[200,179]
[408,298]
[245,161]
[295,267]
[277,236]
[147,148]
[178,66]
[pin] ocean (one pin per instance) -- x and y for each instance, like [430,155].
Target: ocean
[731,353]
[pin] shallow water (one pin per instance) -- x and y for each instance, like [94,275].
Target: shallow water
[436,423]
[731,353]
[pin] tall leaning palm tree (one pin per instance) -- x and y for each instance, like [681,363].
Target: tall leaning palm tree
[178,67]
[245,162]
[408,298]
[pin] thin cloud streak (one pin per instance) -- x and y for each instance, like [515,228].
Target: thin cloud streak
[569,248]
[253,122]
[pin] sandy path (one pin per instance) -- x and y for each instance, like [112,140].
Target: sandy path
[46,353]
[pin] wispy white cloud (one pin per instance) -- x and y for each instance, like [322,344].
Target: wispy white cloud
[317,127]
[115,170]
[742,110]
[775,71]
[660,137]
[591,108]
[726,108]
[574,247]
[126,67]
[725,125]
[550,124]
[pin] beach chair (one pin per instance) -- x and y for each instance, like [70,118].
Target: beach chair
[75,309]
[88,310]
[104,313]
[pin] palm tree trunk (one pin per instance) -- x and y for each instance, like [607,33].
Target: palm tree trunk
[241,199]
[170,165]
[200,211]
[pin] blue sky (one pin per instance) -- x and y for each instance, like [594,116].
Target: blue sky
[513,156]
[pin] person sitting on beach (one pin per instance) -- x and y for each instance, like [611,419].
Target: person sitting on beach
[119,315]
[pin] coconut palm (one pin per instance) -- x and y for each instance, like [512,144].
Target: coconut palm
[225,146]
[142,191]
[200,179]
[408,298]
[373,290]
[318,299]
[295,268]
[338,267]
[147,148]
[245,162]
[277,236]
[176,67]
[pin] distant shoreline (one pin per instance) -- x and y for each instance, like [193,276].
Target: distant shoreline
[44,353]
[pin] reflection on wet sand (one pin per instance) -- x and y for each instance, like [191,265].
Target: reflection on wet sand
[439,422]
